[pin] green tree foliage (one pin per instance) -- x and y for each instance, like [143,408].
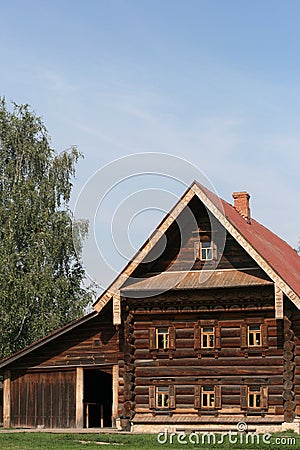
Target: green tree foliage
[41,277]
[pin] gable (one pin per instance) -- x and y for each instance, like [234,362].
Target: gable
[176,252]
[265,250]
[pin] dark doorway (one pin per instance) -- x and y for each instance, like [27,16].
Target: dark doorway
[97,398]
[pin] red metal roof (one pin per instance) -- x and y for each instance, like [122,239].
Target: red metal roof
[280,255]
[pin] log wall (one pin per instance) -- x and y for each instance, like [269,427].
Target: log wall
[231,367]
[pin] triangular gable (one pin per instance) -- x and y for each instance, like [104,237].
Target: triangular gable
[272,254]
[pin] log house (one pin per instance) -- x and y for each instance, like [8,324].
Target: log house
[199,333]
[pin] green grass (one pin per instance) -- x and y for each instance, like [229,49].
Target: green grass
[52,441]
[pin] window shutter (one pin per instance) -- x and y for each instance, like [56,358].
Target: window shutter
[215,250]
[197,397]
[172,338]
[243,336]
[264,333]
[217,337]
[217,396]
[244,400]
[151,397]
[197,248]
[197,337]
[264,397]
[172,396]
[152,340]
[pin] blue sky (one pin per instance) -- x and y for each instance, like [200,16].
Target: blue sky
[214,82]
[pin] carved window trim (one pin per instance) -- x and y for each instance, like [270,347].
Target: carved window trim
[154,389]
[153,340]
[255,389]
[245,329]
[200,388]
[199,328]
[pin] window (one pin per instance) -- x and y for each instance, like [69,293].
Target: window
[206,253]
[208,396]
[208,337]
[254,336]
[162,397]
[205,250]
[254,397]
[162,338]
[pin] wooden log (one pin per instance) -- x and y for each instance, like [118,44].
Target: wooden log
[79,397]
[289,405]
[288,384]
[288,375]
[289,416]
[289,365]
[288,355]
[129,395]
[7,399]
[288,395]
[288,346]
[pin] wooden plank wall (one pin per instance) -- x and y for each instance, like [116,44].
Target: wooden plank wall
[43,399]
[183,234]
[94,342]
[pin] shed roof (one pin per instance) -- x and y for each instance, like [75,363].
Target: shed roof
[196,279]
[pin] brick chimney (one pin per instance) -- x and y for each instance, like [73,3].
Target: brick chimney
[241,204]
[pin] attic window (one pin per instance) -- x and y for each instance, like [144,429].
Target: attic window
[206,251]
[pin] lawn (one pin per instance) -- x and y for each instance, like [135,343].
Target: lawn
[52,441]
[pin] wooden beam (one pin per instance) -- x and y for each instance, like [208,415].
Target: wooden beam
[117,309]
[79,397]
[6,399]
[278,302]
[115,387]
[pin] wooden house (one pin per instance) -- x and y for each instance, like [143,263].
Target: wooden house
[200,330]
